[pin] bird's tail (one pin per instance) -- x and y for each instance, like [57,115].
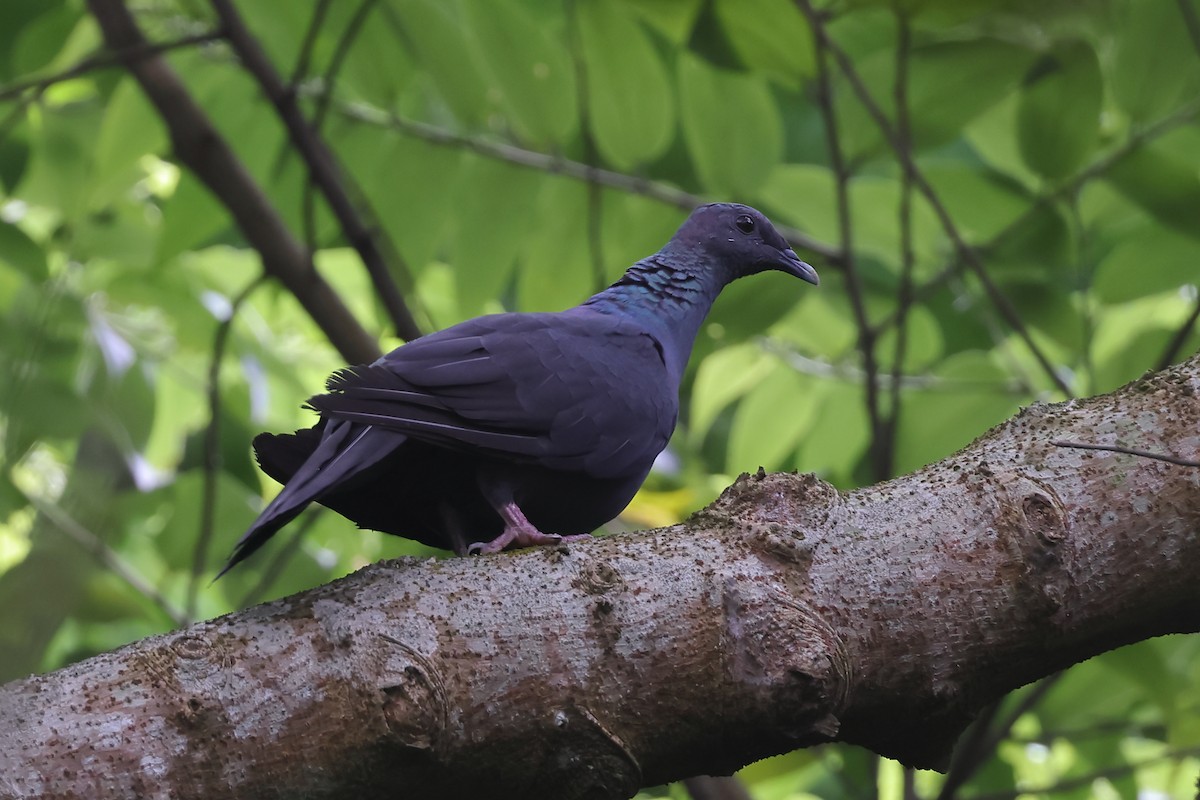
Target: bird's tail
[344,450]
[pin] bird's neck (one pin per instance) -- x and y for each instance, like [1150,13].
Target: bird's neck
[669,300]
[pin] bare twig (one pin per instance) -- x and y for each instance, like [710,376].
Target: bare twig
[984,738]
[103,60]
[307,45]
[967,253]
[1181,116]
[1087,779]
[557,165]
[1130,451]
[202,149]
[886,450]
[212,448]
[106,557]
[321,165]
[854,286]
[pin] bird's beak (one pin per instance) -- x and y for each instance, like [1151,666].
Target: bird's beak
[792,265]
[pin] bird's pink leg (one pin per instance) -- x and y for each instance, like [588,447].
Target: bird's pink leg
[521,532]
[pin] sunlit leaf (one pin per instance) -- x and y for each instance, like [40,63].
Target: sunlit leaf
[1058,118]
[531,69]
[630,103]
[731,125]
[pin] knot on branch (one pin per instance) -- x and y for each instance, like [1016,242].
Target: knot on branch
[589,762]
[787,659]
[775,511]
[414,696]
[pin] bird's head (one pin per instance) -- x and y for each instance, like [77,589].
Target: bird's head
[740,239]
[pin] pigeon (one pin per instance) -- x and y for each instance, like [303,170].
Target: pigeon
[521,428]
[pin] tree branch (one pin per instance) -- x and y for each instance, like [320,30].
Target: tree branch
[202,149]
[321,165]
[557,165]
[854,286]
[110,58]
[784,615]
[967,254]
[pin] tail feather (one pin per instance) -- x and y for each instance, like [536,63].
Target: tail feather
[343,451]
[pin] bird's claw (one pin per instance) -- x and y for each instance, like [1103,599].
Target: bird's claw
[521,538]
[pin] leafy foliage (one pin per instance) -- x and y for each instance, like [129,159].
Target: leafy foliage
[1039,156]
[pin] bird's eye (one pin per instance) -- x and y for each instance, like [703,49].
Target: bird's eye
[744,224]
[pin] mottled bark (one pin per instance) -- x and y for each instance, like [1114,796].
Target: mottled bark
[784,615]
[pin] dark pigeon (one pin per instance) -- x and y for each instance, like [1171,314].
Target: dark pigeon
[521,428]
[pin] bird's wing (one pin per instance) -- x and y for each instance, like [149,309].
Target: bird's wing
[576,390]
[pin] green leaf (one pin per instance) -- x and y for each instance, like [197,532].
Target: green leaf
[1147,262]
[21,253]
[923,343]
[672,19]
[494,212]
[982,202]
[439,39]
[834,445]
[771,37]
[770,420]
[16,20]
[937,421]
[1153,62]
[409,183]
[632,228]
[950,83]
[805,195]
[1162,183]
[232,513]
[131,129]
[530,66]
[722,378]
[630,103]
[1058,119]
[191,217]
[555,265]
[732,128]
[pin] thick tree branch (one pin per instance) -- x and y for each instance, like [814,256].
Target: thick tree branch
[201,147]
[784,615]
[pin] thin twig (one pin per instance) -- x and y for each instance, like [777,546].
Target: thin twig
[1129,451]
[886,452]
[1181,116]
[968,254]
[1087,779]
[106,557]
[212,448]
[854,286]
[306,46]
[108,58]
[557,165]
[985,738]
[322,167]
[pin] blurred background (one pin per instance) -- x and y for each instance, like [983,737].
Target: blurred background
[1002,198]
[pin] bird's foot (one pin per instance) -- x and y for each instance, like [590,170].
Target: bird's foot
[520,532]
[520,538]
